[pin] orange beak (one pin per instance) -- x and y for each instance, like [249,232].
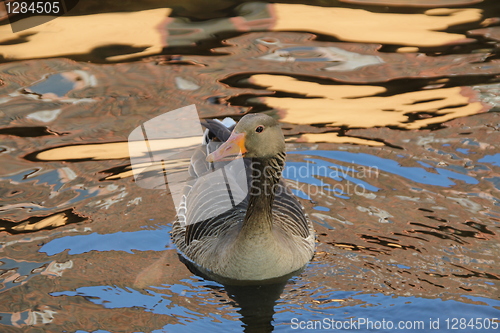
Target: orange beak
[229,150]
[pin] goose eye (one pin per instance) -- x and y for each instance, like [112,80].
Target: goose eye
[259,129]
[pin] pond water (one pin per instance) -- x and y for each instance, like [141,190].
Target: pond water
[390,113]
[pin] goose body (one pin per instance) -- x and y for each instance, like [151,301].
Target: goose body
[265,234]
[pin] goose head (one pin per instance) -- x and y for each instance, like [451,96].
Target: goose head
[255,136]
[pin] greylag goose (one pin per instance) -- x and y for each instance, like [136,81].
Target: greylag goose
[263,237]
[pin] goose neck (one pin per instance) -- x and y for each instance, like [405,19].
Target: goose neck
[266,174]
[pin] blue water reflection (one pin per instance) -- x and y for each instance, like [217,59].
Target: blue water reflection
[364,312]
[143,240]
[158,300]
[308,172]
[415,314]
[493,159]
[62,182]
[463,150]
[443,177]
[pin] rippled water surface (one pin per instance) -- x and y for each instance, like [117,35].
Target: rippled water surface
[390,112]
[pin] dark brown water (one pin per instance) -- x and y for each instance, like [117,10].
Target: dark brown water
[390,114]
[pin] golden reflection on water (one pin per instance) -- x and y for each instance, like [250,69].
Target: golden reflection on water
[413,3]
[358,25]
[333,138]
[53,221]
[112,150]
[355,106]
[152,30]
[73,35]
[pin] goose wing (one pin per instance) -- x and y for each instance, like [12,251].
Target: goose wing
[288,213]
[209,207]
